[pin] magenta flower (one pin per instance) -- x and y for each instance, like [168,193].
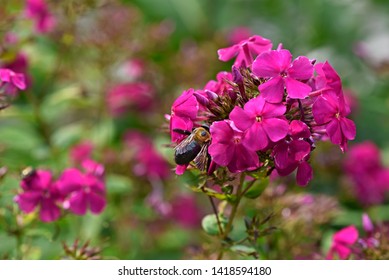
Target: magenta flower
[10,81]
[81,152]
[183,114]
[281,72]
[185,211]
[245,50]
[293,152]
[130,96]
[148,161]
[40,191]
[220,86]
[239,34]
[228,148]
[82,191]
[261,121]
[342,241]
[37,10]
[331,111]
[369,178]
[327,78]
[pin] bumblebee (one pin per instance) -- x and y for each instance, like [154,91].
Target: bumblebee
[194,148]
[28,172]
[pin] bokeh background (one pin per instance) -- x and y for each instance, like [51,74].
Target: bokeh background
[103,75]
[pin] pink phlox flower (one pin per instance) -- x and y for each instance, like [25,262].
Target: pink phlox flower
[293,152]
[239,34]
[82,191]
[81,151]
[38,11]
[148,161]
[183,114]
[370,177]
[331,110]
[220,86]
[151,164]
[367,223]
[328,78]
[281,72]
[130,96]
[245,50]
[228,148]
[261,122]
[93,168]
[10,81]
[40,191]
[185,211]
[342,241]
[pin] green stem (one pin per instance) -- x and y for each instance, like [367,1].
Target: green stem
[234,210]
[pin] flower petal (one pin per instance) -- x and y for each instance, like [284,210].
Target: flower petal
[297,89]
[221,153]
[272,63]
[49,211]
[255,138]
[241,119]
[78,203]
[96,203]
[226,54]
[275,128]
[304,174]
[301,69]
[348,128]
[334,132]
[244,159]
[28,201]
[272,90]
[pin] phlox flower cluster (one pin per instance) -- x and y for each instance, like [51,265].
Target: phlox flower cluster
[370,243]
[37,10]
[369,178]
[74,190]
[268,112]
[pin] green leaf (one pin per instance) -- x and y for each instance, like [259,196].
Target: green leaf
[210,226]
[243,249]
[257,188]
[118,184]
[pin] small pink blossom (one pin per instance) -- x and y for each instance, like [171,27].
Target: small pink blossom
[342,241]
[328,78]
[185,211]
[82,191]
[183,114]
[369,178]
[38,11]
[40,191]
[293,152]
[331,111]
[239,34]
[281,72]
[10,81]
[228,148]
[261,122]
[81,151]
[147,160]
[130,96]
[244,50]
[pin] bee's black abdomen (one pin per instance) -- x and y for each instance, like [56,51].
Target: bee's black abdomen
[187,153]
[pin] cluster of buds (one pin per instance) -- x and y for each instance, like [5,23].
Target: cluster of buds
[267,113]
[74,190]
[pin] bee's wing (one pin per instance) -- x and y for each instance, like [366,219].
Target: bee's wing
[201,160]
[184,142]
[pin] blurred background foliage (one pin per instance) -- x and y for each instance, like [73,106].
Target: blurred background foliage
[72,68]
